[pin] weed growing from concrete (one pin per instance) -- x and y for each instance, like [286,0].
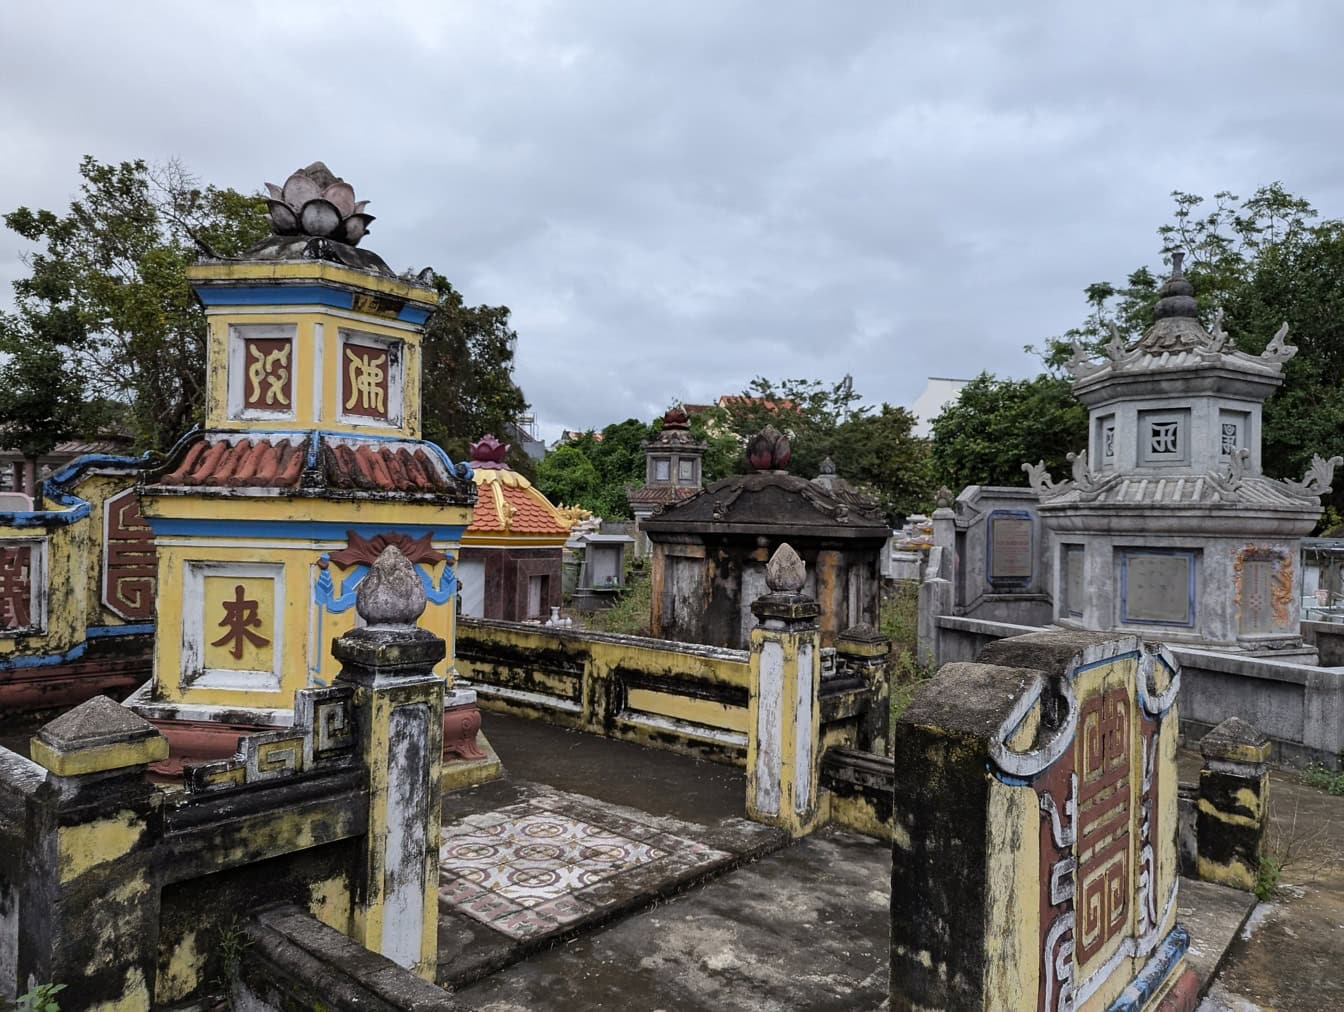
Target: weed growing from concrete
[1330,781]
[229,948]
[1267,877]
[39,998]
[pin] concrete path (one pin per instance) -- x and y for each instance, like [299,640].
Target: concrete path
[805,928]
[1289,956]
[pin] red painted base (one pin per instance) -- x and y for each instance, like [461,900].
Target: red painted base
[460,725]
[58,686]
[1184,997]
[198,741]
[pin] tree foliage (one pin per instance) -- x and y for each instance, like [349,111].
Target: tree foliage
[106,311]
[1262,261]
[995,425]
[468,388]
[594,470]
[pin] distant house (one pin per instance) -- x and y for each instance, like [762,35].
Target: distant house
[14,467]
[939,392]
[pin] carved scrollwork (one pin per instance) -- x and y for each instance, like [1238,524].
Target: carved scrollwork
[1316,482]
[1041,482]
[1278,349]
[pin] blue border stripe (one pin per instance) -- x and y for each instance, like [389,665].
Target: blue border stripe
[314,530]
[300,295]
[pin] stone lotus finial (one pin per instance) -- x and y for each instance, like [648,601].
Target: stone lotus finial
[391,594]
[316,202]
[769,450]
[488,450]
[786,572]
[827,465]
[676,418]
[944,498]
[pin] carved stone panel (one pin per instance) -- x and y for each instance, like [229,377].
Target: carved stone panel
[1157,587]
[1010,547]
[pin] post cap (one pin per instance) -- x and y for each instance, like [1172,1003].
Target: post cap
[97,735]
[1236,740]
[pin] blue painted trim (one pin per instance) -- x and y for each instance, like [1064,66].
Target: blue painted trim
[54,488]
[45,660]
[314,530]
[1125,554]
[98,632]
[299,295]
[1155,972]
[1009,581]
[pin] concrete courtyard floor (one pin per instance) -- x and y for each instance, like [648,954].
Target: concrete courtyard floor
[1289,955]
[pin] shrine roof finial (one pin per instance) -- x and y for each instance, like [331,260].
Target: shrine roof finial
[316,202]
[1178,294]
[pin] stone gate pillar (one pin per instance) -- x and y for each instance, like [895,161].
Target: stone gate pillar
[398,711]
[1233,808]
[784,718]
[88,902]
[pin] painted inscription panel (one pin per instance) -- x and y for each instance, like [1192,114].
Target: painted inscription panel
[130,566]
[238,618]
[17,606]
[268,383]
[365,380]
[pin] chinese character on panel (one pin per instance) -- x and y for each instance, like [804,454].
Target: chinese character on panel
[1229,437]
[239,614]
[16,587]
[1163,436]
[268,384]
[364,380]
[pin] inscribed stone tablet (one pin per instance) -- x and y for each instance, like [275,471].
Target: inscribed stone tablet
[1256,596]
[1157,588]
[1010,548]
[1073,579]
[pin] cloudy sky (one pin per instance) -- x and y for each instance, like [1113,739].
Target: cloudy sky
[676,197]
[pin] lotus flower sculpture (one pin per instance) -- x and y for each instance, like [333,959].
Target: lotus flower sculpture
[488,452]
[315,202]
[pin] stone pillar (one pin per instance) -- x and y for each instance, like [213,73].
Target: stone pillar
[784,718]
[864,652]
[1233,804]
[88,902]
[398,707]
[937,591]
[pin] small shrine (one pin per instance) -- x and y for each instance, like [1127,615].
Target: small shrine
[1168,525]
[673,462]
[710,551]
[510,566]
[309,464]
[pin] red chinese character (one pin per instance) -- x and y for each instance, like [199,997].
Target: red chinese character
[240,618]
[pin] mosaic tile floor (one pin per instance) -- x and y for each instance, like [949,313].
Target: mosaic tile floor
[535,867]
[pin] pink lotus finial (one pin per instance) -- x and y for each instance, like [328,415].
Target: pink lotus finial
[316,202]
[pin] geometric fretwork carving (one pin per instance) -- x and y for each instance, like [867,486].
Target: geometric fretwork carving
[130,565]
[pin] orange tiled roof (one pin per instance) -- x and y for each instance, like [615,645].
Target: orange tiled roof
[220,460]
[509,504]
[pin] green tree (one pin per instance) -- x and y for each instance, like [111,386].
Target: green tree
[880,452]
[468,388]
[567,477]
[107,296]
[996,425]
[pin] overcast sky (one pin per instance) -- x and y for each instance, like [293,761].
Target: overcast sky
[676,197]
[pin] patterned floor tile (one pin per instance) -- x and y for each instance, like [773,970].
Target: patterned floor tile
[523,870]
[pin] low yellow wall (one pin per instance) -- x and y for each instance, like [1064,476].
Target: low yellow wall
[682,697]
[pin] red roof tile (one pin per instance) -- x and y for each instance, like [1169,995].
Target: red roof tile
[278,462]
[514,506]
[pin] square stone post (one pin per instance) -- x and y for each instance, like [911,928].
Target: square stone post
[88,906]
[1233,809]
[864,651]
[398,708]
[784,717]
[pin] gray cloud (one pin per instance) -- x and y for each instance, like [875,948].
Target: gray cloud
[674,198]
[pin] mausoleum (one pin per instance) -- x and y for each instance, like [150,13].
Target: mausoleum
[710,551]
[309,464]
[510,564]
[673,462]
[1168,526]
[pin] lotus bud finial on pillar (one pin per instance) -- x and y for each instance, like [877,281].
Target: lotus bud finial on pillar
[786,572]
[316,202]
[391,595]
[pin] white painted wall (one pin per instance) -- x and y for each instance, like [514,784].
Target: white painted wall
[471,575]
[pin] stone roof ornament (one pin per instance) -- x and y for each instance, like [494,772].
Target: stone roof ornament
[489,453]
[676,418]
[391,595]
[786,572]
[316,202]
[827,465]
[769,450]
[1316,482]
[1278,349]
